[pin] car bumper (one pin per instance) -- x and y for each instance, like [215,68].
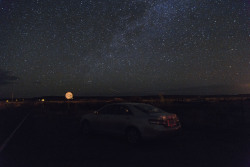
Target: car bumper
[157,132]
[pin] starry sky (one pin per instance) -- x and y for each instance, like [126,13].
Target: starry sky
[131,47]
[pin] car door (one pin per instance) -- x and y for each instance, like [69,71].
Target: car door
[105,118]
[121,119]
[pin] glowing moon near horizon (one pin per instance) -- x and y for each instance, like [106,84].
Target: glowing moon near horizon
[69,95]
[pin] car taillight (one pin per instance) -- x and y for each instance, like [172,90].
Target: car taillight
[167,121]
[171,122]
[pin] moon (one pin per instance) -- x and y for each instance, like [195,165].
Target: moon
[69,95]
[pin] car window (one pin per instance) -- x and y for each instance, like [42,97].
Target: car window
[115,110]
[123,110]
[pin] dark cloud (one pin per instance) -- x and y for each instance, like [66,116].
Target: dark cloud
[6,77]
[37,83]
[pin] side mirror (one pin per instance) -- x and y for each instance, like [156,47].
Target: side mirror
[96,112]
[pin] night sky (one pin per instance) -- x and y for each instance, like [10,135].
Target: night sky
[132,47]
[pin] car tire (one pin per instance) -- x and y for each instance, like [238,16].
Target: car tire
[133,136]
[85,127]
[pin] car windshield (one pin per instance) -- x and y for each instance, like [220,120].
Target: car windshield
[148,109]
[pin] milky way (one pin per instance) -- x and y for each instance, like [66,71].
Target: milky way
[131,47]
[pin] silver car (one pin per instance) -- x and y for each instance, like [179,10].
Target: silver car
[133,120]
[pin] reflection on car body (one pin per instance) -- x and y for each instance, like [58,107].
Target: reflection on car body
[134,120]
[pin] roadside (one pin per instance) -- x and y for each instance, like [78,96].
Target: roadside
[9,119]
[7,140]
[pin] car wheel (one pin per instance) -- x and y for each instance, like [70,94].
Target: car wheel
[85,127]
[133,136]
